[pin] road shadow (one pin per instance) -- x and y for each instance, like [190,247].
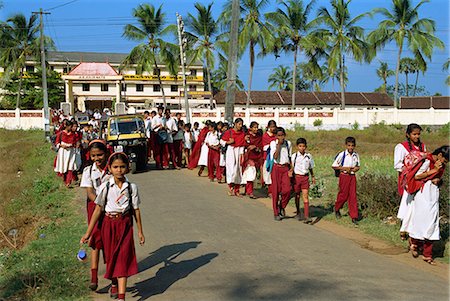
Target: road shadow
[170,273]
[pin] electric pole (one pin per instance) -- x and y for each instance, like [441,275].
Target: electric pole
[44,75]
[232,62]
[183,43]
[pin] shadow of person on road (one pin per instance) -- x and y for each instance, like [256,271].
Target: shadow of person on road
[168,275]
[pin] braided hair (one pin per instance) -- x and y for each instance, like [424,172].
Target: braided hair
[409,129]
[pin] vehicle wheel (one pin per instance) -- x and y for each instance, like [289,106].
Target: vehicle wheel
[133,167]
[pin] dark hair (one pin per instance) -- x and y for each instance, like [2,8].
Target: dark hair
[153,112]
[99,145]
[238,120]
[196,123]
[147,112]
[178,114]
[271,122]
[253,123]
[444,150]
[180,123]
[118,156]
[167,111]
[301,141]
[220,123]
[161,108]
[68,123]
[213,125]
[409,129]
[350,140]
[208,122]
[188,125]
[280,129]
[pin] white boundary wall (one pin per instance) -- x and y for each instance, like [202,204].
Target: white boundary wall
[331,118]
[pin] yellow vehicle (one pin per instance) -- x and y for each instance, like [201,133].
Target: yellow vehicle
[126,133]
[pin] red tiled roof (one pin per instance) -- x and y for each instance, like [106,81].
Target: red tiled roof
[99,69]
[284,98]
[425,102]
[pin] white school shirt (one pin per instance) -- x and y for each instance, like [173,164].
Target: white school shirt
[171,127]
[148,126]
[212,139]
[285,152]
[94,177]
[118,198]
[302,163]
[187,140]
[400,152]
[157,120]
[350,160]
[195,134]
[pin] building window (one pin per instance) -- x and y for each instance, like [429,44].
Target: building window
[86,87]
[193,72]
[192,88]
[29,69]
[139,87]
[65,70]
[156,88]
[104,87]
[174,88]
[124,87]
[156,71]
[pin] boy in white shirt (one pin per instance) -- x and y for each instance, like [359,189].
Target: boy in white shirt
[347,164]
[302,167]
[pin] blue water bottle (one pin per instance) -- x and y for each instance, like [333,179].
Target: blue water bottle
[82,255]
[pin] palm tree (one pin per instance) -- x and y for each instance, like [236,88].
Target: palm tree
[419,66]
[219,76]
[18,42]
[281,78]
[291,22]
[383,72]
[402,21]
[344,37]
[153,49]
[313,74]
[407,66]
[253,31]
[445,67]
[202,31]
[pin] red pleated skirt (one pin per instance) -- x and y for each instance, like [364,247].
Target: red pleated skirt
[96,236]
[118,247]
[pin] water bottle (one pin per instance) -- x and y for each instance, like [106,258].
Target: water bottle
[82,255]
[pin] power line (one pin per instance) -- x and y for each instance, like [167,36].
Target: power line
[61,5]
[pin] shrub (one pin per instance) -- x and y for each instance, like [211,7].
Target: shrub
[316,191]
[445,129]
[318,122]
[355,125]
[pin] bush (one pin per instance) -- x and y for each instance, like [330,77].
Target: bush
[355,126]
[445,129]
[318,122]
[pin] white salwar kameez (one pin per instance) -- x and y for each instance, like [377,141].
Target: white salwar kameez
[233,164]
[422,218]
[266,175]
[65,160]
[249,174]
[203,160]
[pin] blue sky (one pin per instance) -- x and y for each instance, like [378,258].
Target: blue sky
[88,25]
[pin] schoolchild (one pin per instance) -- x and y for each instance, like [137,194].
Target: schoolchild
[118,202]
[160,134]
[223,149]
[202,150]
[252,158]
[212,141]
[92,178]
[172,130]
[187,143]
[280,155]
[65,165]
[77,137]
[412,143]
[234,138]
[422,219]
[347,163]
[195,133]
[148,131]
[178,139]
[268,137]
[301,170]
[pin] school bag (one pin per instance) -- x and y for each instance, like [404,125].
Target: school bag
[337,172]
[130,206]
[163,136]
[411,165]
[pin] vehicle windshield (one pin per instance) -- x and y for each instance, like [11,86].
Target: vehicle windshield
[126,126]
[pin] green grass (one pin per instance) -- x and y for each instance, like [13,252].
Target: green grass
[44,266]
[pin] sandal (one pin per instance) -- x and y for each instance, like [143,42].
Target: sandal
[429,260]
[414,251]
[403,236]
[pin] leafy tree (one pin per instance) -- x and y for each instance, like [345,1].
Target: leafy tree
[203,30]
[344,37]
[280,78]
[407,65]
[383,72]
[153,49]
[402,22]
[294,32]
[445,67]
[219,76]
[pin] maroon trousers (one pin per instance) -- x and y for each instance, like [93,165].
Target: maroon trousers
[161,154]
[249,188]
[118,243]
[213,164]
[178,151]
[95,242]
[281,184]
[426,245]
[171,154]
[347,191]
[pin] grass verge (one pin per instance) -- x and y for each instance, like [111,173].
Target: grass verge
[49,223]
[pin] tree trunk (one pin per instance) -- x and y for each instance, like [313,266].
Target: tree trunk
[208,73]
[19,89]
[397,71]
[252,63]
[159,80]
[407,90]
[294,74]
[341,79]
[415,84]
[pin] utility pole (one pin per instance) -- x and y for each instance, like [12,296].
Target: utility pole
[232,62]
[183,43]
[44,75]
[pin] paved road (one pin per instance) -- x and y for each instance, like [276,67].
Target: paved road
[204,245]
